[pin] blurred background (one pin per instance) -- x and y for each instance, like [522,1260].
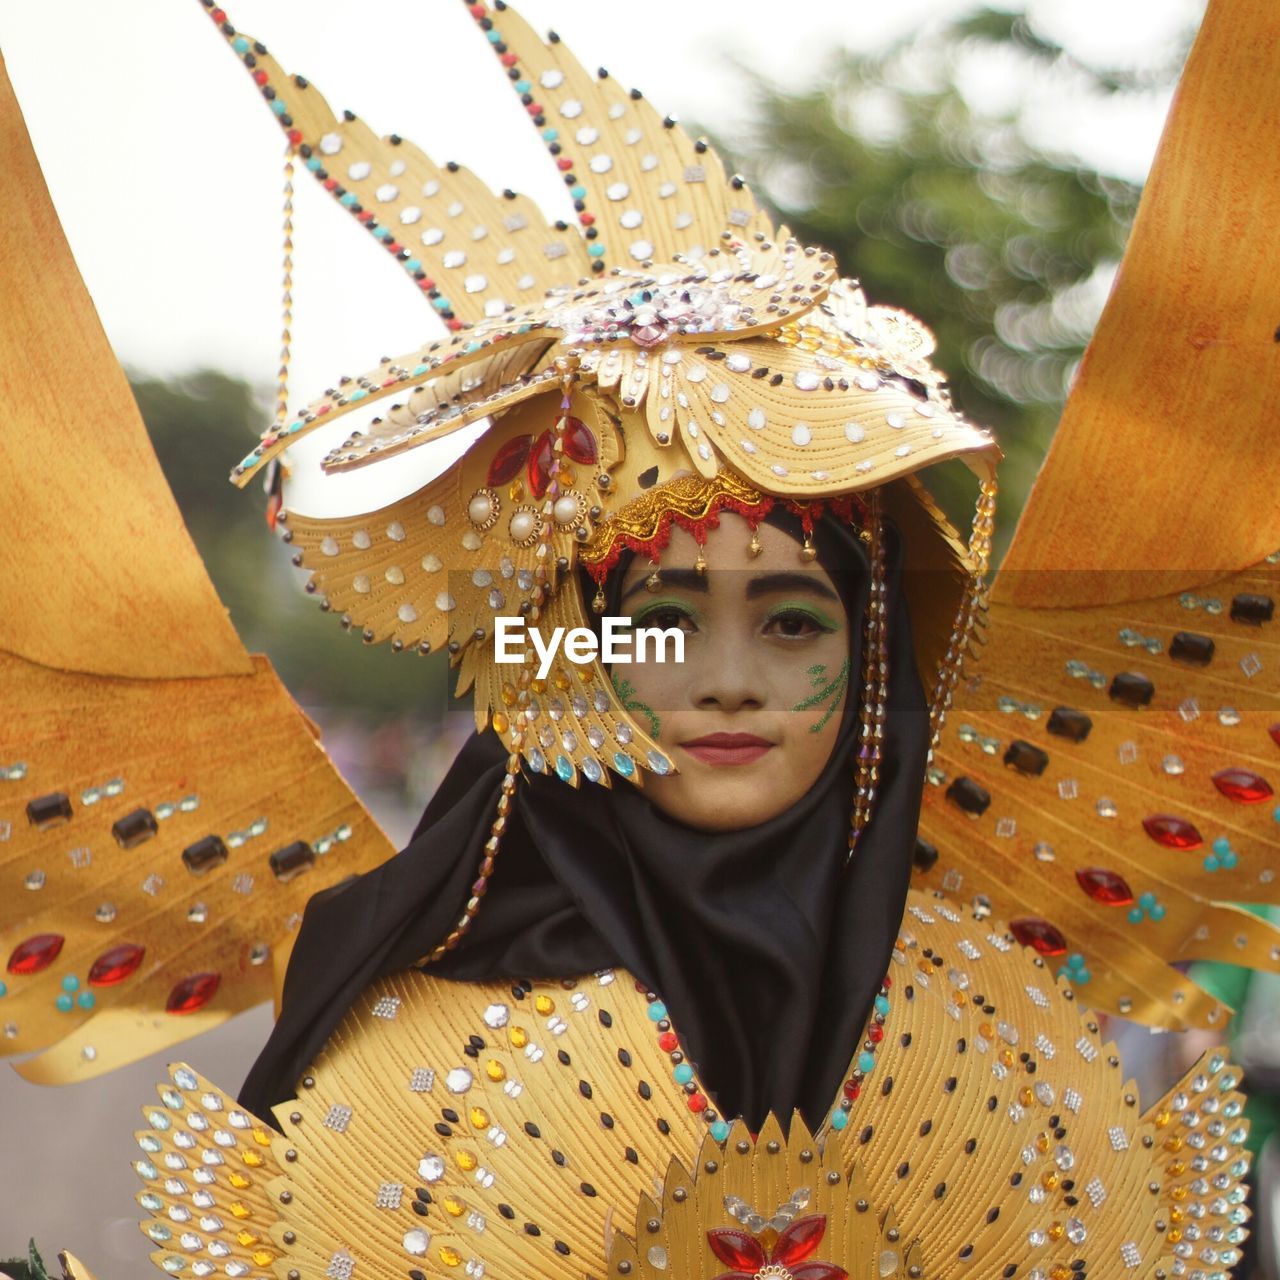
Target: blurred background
[978,166]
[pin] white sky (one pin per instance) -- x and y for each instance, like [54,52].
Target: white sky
[165,168]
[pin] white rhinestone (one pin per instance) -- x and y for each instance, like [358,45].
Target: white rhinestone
[388,191]
[359,171]
[806,381]
[407,613]
[410,215]
[496,1016]
[571,109]
[641,250]
[720,392]
[800,434]
[459,1080]
[475,283]
[432,235]
[416,1242]
[431,1168]
[331,144]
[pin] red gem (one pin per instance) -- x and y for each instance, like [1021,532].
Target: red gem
[736,1249]
[477,11]
[218,15]
[541,456]
[395,247]
[453,325]
[579,443]
[534,108]
[365,215]
[508,59]
[668,1042]
[1242,786]
[564,164]
[1039,934]
[1104,886]
[259,77]
[506,463]
[116,965]
[697,1102]
[886,982]
[799,1240]
[852,1088]
[875,1034]
[331,184]
[192,993]
[587,219]
[1274,731]
[36,953]
[294,136]
[1173,833]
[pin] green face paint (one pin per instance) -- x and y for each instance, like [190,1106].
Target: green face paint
[807,612]
[626,695]
[826,693]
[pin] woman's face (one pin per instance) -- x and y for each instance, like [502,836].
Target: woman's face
[751,715]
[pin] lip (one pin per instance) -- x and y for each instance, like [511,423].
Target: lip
[728,748]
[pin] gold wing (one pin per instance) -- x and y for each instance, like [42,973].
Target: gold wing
[165,808]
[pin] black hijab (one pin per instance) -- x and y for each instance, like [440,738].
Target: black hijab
[766,946]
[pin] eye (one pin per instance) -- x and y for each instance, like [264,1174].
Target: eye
[667,615]
[794,622]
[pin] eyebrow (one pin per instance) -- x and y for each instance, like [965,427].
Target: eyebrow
[764,584]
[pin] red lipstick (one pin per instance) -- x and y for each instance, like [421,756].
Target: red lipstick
[727,748]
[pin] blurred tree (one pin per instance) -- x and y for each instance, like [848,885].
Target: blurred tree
[946,208]
[198,422]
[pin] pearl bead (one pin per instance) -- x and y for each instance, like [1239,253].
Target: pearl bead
[480,509]
[521,526]
[566,510]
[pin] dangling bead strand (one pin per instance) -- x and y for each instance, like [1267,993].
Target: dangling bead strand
[518,732]
[875,681]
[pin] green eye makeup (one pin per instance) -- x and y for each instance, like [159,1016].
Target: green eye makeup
[806,611]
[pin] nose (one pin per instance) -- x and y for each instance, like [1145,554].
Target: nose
[728,678]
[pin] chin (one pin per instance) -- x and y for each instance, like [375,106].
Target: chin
[709,800]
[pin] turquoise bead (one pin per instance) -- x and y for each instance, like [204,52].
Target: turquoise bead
[523,86]
[4,991]
[839,1119]
[1135,915]
[1147,900]
[882,1004]
[1211,863]
[470,347]
[596,250]
[348,198]
[64,1003]
[550,135]
[1222,845]
[295,427]
[383,233]
[1157,912]
[624,764]
[86,999]
[278,107]
[564,769]
[420,370]
[1275,813]
[313,163]
[866,1061]
[249,459]
[70,983]
[657,1011]
[441,304]
[413,265]
[1229,859]
[719,1130]
[1081,976]
[357,395]
[240,44]
[683,1073]
[578,193]
[495,36]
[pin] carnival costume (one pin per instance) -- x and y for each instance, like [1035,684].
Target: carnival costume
[519,1046]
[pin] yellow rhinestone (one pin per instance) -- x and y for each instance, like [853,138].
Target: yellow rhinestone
[1026,1096]
[1179,1193]
[560,680]
[252,1158]
[262,1137]
[1056,1231]
[454,1206]
[1173,1144]
[1177,1168]
[246,1238]
[495,1070]
[263,1258]
[1175,1234]
[449,1256]
[1049,1181]
[1176,1214]
[518,1036]
[1006,1056]
[568,476]
[466,1161]
[544,1005]
[538,686]
[500,722]
[508,695]
[479,1118]
[516,491]
[1163,1118]
[1042,1143]
[986,1030]
[239,1210]
[238,1180]
[1060,1272]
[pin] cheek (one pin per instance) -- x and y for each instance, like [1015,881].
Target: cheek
[816,711]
